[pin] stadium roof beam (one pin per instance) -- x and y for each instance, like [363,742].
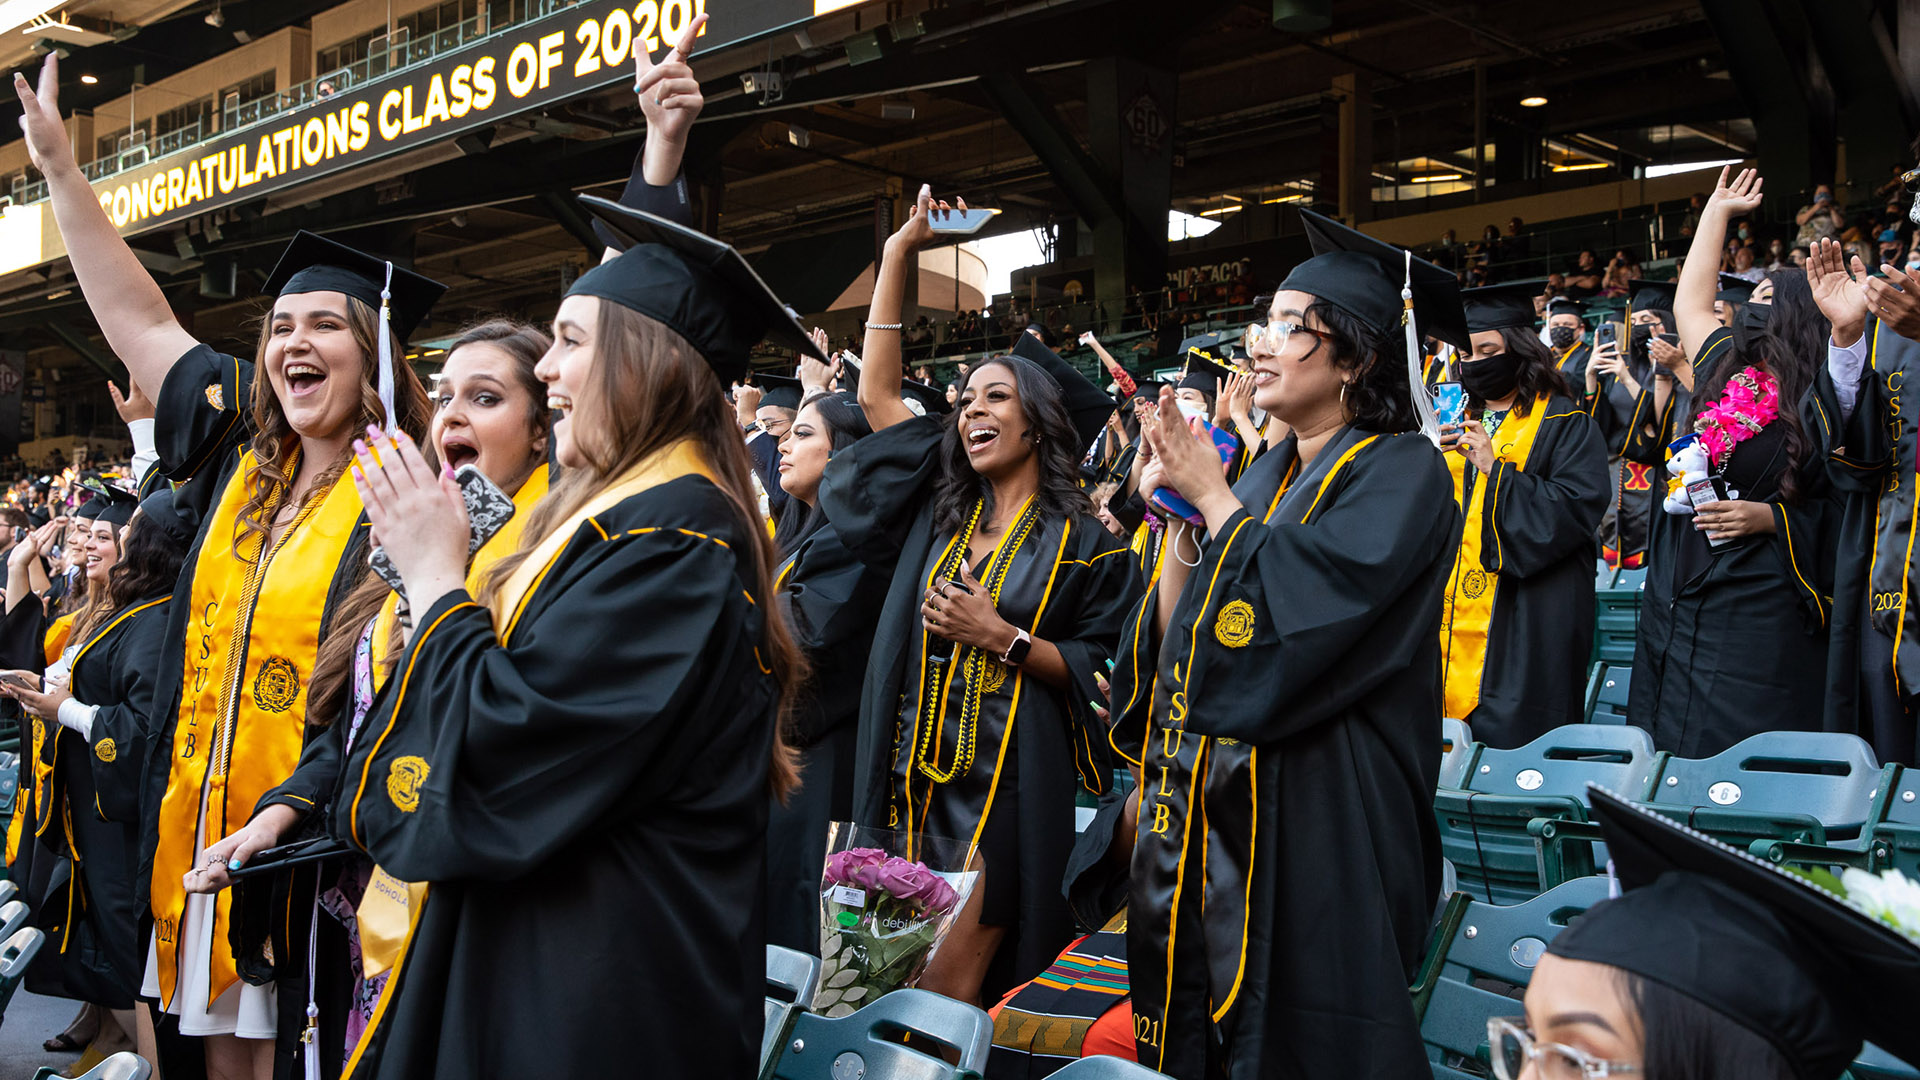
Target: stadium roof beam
[566,211]
[75,340]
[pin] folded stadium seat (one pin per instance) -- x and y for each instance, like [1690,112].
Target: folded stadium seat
[1616,618]
[1486,826]
[9,781]
[1876,1064]
[868,1043]
[1891,839]
[16,953]
[1106,1067]
[1603,575]
[1457,751]
[124,1065]
[1489,959]
[1808,787]
[1607,690]
[793,978]
[13,916]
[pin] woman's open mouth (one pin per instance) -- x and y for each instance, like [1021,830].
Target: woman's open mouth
[981,436]
[457,451]
[303,378]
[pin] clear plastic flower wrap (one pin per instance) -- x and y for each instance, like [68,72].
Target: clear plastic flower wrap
[886,903]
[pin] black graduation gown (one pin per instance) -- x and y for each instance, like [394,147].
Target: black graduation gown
[203,427]
[1537,525]
[1077,577]
[1573,365]
[1733,641]
[1873,668]
[1619,414]
[832,602]
[80,867]
[589,807]
[1287,859]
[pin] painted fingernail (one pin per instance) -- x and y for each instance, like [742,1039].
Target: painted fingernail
[358,475]
[1109,665]
[448,470]
[373,432]
[234,863]
[359,446]
[1096,704]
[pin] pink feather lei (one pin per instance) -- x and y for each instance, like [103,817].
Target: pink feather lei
[1749,403]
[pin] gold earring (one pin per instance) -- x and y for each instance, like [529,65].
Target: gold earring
[1343,393]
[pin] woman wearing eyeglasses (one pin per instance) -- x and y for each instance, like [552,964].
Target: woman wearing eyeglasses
[1280,693]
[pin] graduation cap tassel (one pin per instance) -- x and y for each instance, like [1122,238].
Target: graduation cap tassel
[386,350]
[1416,382]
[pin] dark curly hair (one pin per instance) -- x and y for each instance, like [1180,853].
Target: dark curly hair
[1538,377]
[149,564]
[1049,428]
[1379,398]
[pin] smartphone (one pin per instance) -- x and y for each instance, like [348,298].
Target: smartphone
[961,222]
[1449,403]
[488,510]
[1671,339]
[287,856]
[1607,333]
[22,679]
[1701,493]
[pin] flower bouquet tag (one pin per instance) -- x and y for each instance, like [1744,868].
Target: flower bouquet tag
[848,895]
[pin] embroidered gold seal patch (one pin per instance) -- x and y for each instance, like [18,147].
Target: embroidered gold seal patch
[215,398]
[992,677]
[1234,625]
[277,685]
[1474,584]
[403,782]
[105,750]
[39,737]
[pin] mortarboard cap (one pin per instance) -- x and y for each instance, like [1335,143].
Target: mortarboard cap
[1734,289]
[1773,952]
[1650,294]
[88,510]
[1088,406]
[698,287]
[313,263]
[1562,306]
[1362,276]
[175,519]
[779,391]
[38,518]
[1204,373]
[1497,307]
[116,507]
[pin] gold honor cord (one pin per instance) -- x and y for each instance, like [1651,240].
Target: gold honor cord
[973,662]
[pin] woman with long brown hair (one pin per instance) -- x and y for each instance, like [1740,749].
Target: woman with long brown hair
[575,757]
[261,449]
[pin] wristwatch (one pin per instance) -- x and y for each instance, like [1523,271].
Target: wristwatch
[1016,653]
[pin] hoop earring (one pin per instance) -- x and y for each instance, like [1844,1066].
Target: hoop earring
[1343,394]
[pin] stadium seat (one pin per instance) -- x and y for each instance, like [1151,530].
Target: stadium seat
[792,979]
[1494,948]
[1876,1064]
[1456,752]
[1488,828]
[1603,575]
[125,1065]
[16,953]
[1810,787]
[868,1043]
[1896,836]
[8,890]
[9,780]
[13,916]
[1107,1067]
[1607,693]
[1616,618]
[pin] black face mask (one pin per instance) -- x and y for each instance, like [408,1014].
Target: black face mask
[1562,336]
[1637,339]
[1753,317]
[1490,378]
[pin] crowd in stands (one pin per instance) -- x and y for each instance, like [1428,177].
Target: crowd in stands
[499,728]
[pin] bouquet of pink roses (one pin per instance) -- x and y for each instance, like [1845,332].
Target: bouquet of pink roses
[882,914]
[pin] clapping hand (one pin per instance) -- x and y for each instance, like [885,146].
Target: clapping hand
[1838,293]
[418,515]
[1186,462]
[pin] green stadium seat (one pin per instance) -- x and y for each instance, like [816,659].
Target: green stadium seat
[793,978]
[1489,827]
[1489,959]
[1457,751]
[1808,787]
[1616,617]
[16,953]
[1107,1067]
[1895,837]
[125,1065]
[1876,1064]
[1607,693]
[1603,575]
[868,1043]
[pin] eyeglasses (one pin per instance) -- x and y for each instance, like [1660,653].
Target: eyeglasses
[1513,1048]
[1272,337]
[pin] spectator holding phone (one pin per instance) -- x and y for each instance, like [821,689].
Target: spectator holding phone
[1819,220]
[1004,592]
[1530,477]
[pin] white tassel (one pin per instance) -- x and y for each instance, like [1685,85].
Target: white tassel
[1416,380]
[310,1036]
[386,352]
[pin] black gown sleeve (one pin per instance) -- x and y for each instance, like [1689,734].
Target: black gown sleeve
[128,725]
[201,421]
[23,635]
[873,491]
[831,601]
[1532,520]
[1315,591]
[669,201]
[516,751]
[315,777]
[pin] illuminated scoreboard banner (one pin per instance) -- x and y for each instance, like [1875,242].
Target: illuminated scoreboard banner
[561,56]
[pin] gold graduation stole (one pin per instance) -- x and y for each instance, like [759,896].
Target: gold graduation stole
[243,700]
[386,910]
[1468,612]
[58,635]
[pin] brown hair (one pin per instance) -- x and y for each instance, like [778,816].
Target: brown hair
[93,604]
[653,390]
[275,443]
[526,344]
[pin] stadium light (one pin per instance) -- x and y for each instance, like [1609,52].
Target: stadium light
[17,13]
[1533,102]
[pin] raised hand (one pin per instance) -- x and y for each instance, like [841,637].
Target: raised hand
[1742,196]
[47,144]
[918,232]
[1838,294]
[669,94]
[133,405]
[417,512]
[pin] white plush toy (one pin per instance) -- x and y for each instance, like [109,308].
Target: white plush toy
[1684,466]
